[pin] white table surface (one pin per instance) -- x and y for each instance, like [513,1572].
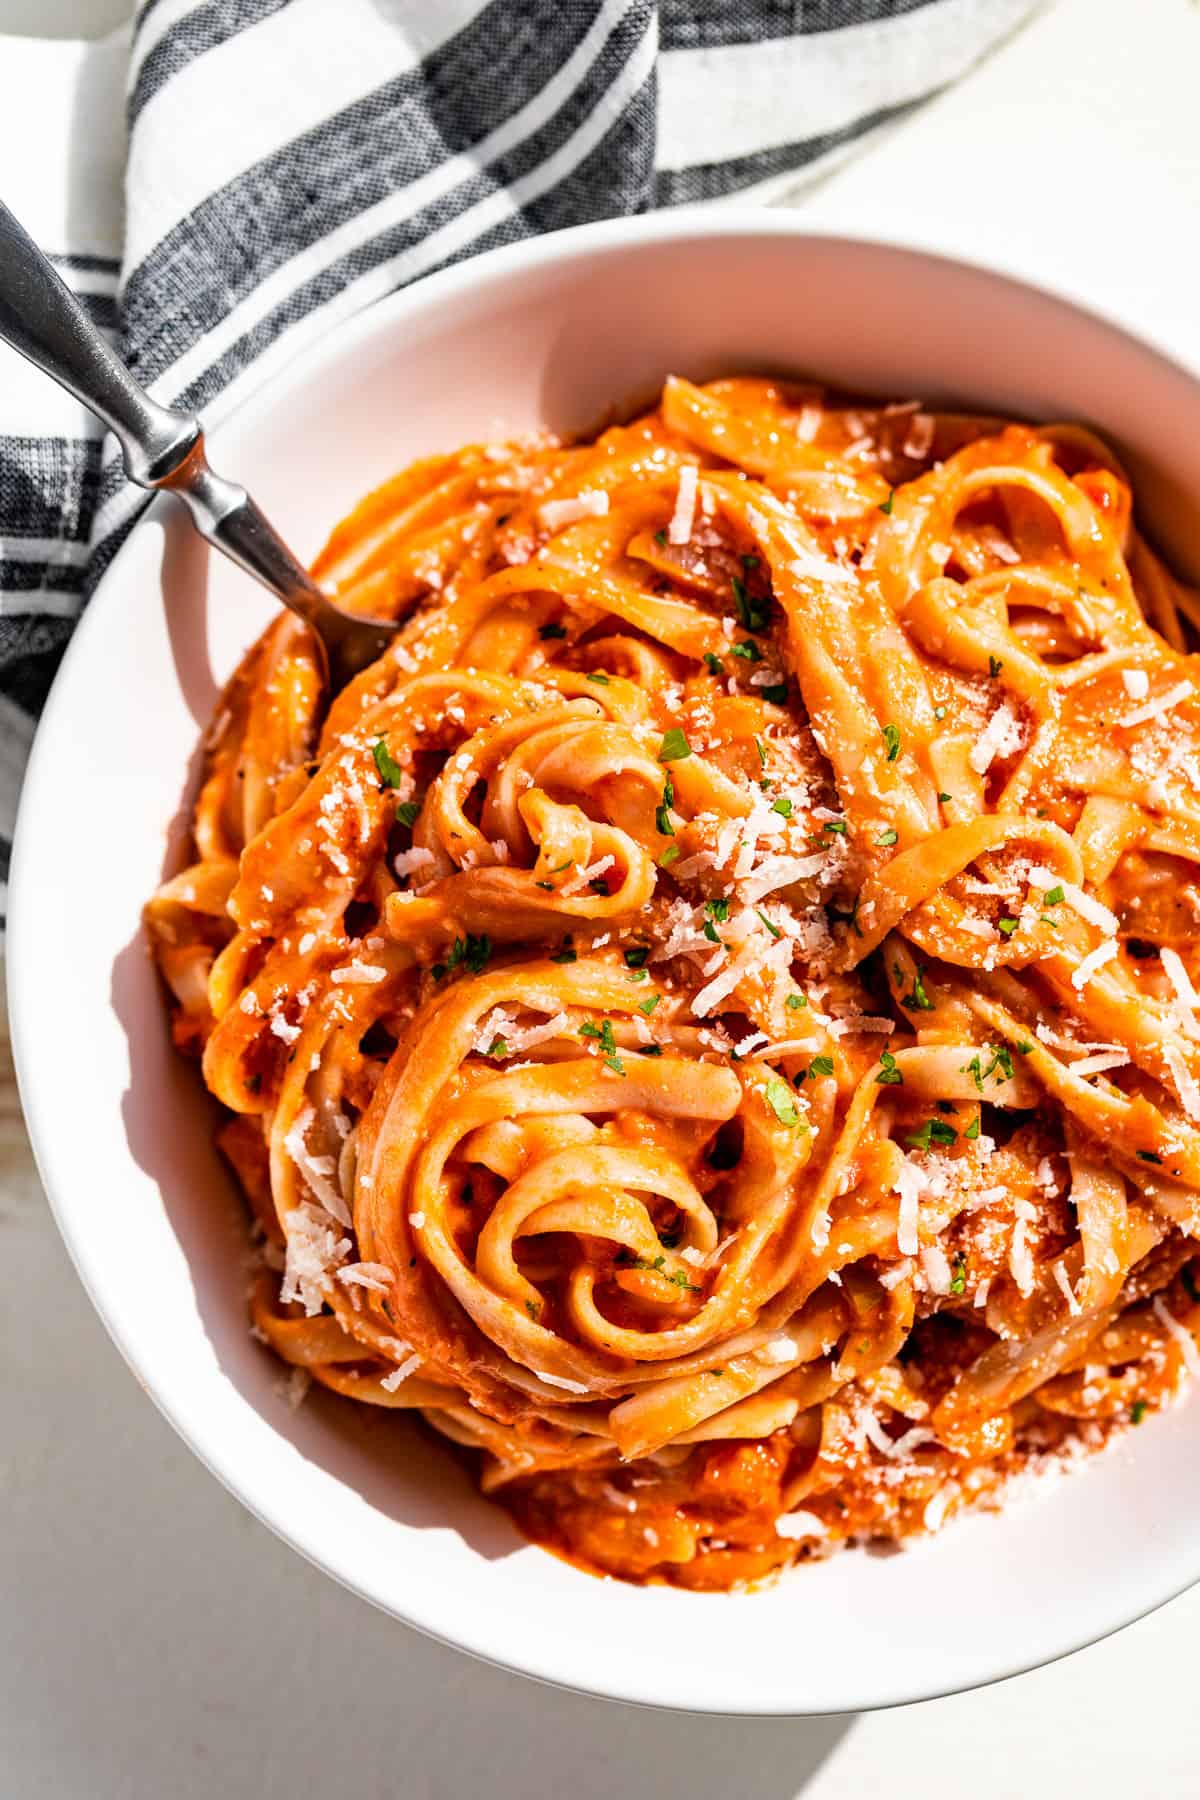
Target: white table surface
[156,1641]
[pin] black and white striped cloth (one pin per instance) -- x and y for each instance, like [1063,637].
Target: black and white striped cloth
[231,178]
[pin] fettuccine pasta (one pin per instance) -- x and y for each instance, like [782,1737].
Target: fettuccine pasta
[707,1019]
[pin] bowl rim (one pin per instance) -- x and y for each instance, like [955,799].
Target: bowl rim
[380,319]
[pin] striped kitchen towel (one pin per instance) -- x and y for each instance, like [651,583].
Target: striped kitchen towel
[231,178]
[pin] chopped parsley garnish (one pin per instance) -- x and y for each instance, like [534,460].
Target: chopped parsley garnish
[658,1267]
[748,650]
[713,663]
[1007,926]
[674,746]
[716,909]
[669,855]
[660,538]
[783,807]
[886,839]
[648,1006]
[939,712]
[918,1000]
[1002,1060]
[749,562]
[710,932]
[390,772]
[885,506]
[533,1309]
[1023,1048]
[777,694]
[762,753]
[1137,1412]
[552,631]
[565,955]
[769,923]
[781,1102]
[821,1065]
[837,826]
[471,951]
[889,1075]
[891,737]
[1054,897]
[994,666]
[1149,1156]
[752,612]
[794,1002]
[933,1131]
[972,1130]
[637,957]
[602,680]
[943,799]
[498,1047]
[958,1280]
[650,1050]
[408,812]
[662,814]
[608,1044]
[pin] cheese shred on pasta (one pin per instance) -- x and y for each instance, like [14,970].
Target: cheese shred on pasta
[656,1006]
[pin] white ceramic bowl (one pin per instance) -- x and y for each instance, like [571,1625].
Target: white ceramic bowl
[555,332]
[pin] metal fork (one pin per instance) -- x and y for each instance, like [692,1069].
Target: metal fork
[164,450]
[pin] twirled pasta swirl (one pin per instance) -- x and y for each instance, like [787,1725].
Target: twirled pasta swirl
[707,1018]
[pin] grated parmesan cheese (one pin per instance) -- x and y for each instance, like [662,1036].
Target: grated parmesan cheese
[684,516]
[800,1525]
[1001,736]
[562,1381]
[555,514]
[1154,709]
[400,1375]
[1136,683]
[1095,959]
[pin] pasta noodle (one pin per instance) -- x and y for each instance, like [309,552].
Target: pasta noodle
[709,1018]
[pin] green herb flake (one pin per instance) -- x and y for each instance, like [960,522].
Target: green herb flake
[716,909]
[821,1065]
[1007,926]
[1054,897]
[972,1130]
[662,813]
[939,712]
[783,807]
[390,772]
[762,752]
[533,1309]
[769,923]
[674,746]
[552,631]
[886,839]
[781,1102]
[637,957]
[918,1000]
[470,952]
[1149,1156]
[713,664]
[601,680]
[660,538]
[889,1075]
[669,855]
[1137,1412]
[776,695]
[836,826]
[498,1047]
[891,737]
[747,650]
[648,1006]
[958,1278]
[945,799]
[408,812]
[650,1050]
[795,1002]
[885,506]
[994,667]
[564,955]
[752,612]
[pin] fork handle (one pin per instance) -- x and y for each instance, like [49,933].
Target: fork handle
[40,317]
